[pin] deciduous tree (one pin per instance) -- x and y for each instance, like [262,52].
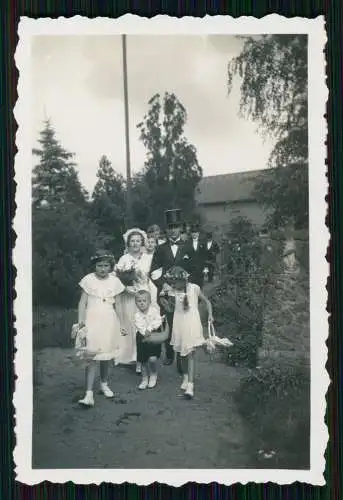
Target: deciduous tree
[108,203]
[172,170]
[273,82]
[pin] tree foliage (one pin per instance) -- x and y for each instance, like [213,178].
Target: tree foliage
[55,179]
[68,226]
[273,81]
[108,203]
[63,235]
[172,170]
[64,238]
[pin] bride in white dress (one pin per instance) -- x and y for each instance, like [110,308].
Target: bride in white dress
[136,241]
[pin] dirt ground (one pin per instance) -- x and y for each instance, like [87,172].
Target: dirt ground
[155,428]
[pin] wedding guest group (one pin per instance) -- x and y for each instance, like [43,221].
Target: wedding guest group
[155,286]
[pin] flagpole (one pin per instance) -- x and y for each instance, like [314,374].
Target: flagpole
[127,139]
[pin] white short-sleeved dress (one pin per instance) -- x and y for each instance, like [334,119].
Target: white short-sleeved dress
[187,331]
[126,307]
[102,323]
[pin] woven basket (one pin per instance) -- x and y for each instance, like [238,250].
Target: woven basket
[215,345]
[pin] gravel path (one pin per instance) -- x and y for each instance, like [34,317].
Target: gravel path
[155,428]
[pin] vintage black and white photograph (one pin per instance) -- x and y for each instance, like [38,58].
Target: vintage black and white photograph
[171,302]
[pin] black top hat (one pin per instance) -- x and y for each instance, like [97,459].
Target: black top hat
[195,227]
[173,217]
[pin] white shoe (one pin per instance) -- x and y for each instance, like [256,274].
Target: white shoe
[144,384]
[88,400]
[184,384]
[152,381]
[189,393]
[106,391]
[139,368]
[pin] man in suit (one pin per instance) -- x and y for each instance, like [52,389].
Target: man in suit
[197,253]
[171,253]
[211,251]
[155,231]
[184,236]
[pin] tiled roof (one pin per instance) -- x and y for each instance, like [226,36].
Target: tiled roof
[226,188]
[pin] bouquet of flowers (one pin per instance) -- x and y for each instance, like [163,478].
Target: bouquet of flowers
[79,335]
[127,272]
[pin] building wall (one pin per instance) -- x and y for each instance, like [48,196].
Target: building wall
[221,215]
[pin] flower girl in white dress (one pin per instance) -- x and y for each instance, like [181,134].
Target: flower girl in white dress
[99,322]
[187,332]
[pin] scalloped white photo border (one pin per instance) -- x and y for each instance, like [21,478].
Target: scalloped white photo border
[319,240]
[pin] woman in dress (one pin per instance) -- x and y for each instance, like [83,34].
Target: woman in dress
[135,241]
[145,265]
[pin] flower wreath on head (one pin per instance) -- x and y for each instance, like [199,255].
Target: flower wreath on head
[126,236]
[104,256]
[176,273]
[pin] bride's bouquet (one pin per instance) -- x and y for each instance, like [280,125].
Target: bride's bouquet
[127,272]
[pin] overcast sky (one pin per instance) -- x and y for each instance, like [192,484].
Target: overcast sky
[78,84]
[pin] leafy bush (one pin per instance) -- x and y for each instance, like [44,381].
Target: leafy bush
[239,300]
[275,402]
[64,239]
[303,248]
[52,327]
[286,317]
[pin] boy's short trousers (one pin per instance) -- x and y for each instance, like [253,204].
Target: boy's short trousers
[145,349]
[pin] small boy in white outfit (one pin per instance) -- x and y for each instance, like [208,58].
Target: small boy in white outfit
[147,320]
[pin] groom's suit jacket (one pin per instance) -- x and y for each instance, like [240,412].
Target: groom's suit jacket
[164,259]
[196,262]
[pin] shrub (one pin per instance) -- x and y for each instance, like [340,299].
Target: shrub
[239,301]
[63,240]
[52,327]
[287,313]
[275,403]
[302,248]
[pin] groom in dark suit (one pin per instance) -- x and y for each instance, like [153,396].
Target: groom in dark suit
[171,253]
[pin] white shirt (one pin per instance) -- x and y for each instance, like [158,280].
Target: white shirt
[151,320]
[174,247]
[209,244]
[195,244]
